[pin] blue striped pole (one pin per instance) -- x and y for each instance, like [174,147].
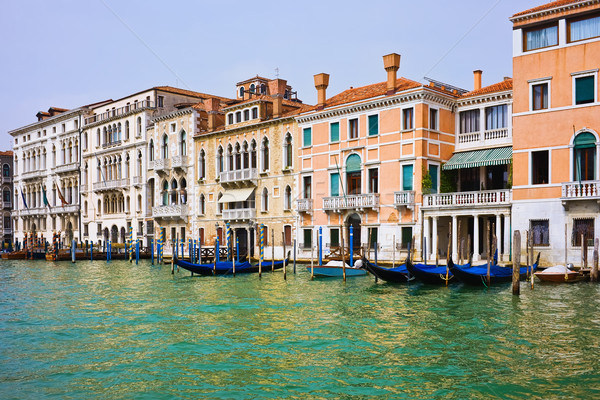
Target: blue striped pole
[320,246]
[137,251]
[261,250]
[350,243]
[151,251]
[182,244]
[217,251]
[237,248]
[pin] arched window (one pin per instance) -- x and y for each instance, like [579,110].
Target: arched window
[6,171]
[139,127]
[263,89]
[109,134]
[139,164]
[287,199]
[174,197]
[238,116]
[229,158]
[6,196]
[165,194]
[119,131]
[584,157]
[265,200]
[126,130]
[253,163]
[165,147]
[182,143]
[245,156]
[202,204]
[288,151]
[85,141]
[252,88]
[219,161]
[238,157]
[151,150]
[183,191]
[98,137]
[219,204]
[99,209]
[85,207]
[265,154]
[242,92]
[202,165]
[353,174]
[139,203]
[53,156]
[70,160]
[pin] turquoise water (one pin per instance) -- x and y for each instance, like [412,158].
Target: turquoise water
[97,330]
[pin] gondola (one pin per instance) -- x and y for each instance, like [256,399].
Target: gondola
[436,274]
[398,274]
[476,275]
[226,267]
[334,269]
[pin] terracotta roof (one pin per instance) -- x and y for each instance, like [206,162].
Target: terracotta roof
[256,97]
[548,6]
[185,92]
[6,153]
[506,84]
[260,78]
[58,109]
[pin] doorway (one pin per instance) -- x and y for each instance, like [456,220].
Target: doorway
[354,221]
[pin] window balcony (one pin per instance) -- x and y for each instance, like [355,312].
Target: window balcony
[66,168]
[180,162]
[84,189]
[114,184]
[66,209]
[584,190]
[33,211]
[7,204]
[119,111]
[7,230]
[405,198]
[30,175]
[501,197]
[111,144]
[138,181]
[305,205]
[239,177]
[351,202]
[175,211]
[162,165]
[239,214]
[151,164]
[6,179]
[490,137]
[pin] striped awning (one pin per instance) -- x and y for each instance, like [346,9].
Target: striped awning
[480,158]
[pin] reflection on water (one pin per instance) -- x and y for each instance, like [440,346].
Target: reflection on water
[98,330]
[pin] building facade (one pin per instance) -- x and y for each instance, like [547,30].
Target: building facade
[6,161]
[556,123]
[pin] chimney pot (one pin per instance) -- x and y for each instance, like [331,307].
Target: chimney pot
[391,63]
[321,83]
[477,79]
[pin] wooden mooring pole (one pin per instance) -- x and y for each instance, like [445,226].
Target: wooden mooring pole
[516,289]
[594,273]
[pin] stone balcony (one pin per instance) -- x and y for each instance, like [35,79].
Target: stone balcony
[162,165]
[66,168]
[239,177]
[6,204]
[7,179]
[83,189]
[305,205]
[239,214]
[174,211]
[482,139]
[351,202]
[405,198]
[137,181]
[584,190]
[465,200]
[31,175]
[180,162]
[33,211]
[113,184]
[66,209]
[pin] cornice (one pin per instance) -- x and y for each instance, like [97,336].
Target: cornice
[172,114]
[551,11]
[118,117]
[49,121]
[485,98]
[244,128]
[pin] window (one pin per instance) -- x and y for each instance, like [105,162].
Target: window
[86,230]
[246,115]
[307,233]
[353,128]
[585,89]
[540,231]
[306,137]
[265,200]
[307,187]
[372,237]
[126,130]
[238,116]
[584,157]
[242,92]
[202,165]
[182,143]
[6,170]
[540,37]
[334,132]
[334,237]
[582,226]
[6,196]
[287,199]
[230,119]
[139,127]
[288,151]
[334,180]
[373,180]
[165,147]
[433,122]
[496,117]
[406,237]
[433,173]
[252,88]
[407,177]
[582,29]
[539,96]
[265,154]
[202,204]
[161,101]
[539,167]
[469,121]
[373,125]
[407,118]
[287,234]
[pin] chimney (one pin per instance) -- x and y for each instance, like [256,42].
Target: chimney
[507,78]
[321,83]
[477,79]
[391,63]
[212,109]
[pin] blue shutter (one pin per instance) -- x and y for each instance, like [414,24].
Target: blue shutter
[335,184]
[334,134]
[407,177]
[307,137]
[373,125]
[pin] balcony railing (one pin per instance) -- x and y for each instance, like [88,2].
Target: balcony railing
[83,189]
[175,211]
[71,167]
[6,179]
[111,144]
[7,204]
[180,162]
[138,180]
[405,198]
[68,208]
[7,230]
[151,164]
[31,174]
[484,138]
[468,199]
[119,111]
[162,165]
[111,185]
[353,201]
[239,214]
[581,190]
[33,211]
[305,205]
[248,175]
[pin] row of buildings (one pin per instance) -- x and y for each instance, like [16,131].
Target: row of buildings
[396,160]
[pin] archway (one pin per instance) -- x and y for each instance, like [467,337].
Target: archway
[354,221]
[353,174]
[122,234]
[114,234]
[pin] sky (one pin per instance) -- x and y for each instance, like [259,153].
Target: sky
[70,53]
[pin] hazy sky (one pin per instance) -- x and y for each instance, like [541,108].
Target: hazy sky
[71,53]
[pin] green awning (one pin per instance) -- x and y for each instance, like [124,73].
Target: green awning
[480,158]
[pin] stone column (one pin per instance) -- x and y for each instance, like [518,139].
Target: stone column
[507,233]
[434,243]
[454,238]
[426,239]
[476,238]
[498,235]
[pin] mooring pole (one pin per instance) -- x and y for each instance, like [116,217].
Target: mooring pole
[516,263]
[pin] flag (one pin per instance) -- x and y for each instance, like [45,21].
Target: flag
[62,199]
[45,197]
[24,201]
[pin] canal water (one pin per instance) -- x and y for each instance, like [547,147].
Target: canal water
[124,331]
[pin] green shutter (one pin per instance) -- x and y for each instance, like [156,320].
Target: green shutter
[334,132]
[307,137]
[373,125]
[307,238]
[334,235]
[584,90]
[585,140]
[407,177]
[353,163]
[335,184]
[433,172]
